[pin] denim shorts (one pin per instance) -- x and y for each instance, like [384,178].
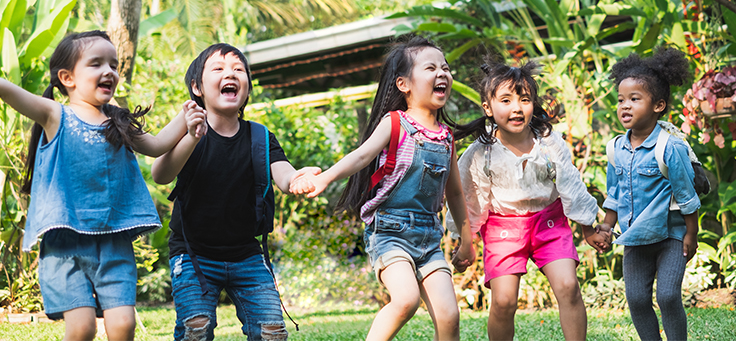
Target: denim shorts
[398,235]
[79,270]
[249,284]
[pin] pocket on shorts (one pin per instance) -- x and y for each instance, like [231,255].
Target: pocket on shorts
[386,224]
[496,233]
[432,178]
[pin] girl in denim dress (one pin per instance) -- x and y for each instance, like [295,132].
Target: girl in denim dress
[88,197]
[521,187]
[403,231]
[658,240]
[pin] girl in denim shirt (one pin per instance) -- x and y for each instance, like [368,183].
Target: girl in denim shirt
[403,231]
[658,241]
[88,197]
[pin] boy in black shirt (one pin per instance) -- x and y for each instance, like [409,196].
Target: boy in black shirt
[217,205]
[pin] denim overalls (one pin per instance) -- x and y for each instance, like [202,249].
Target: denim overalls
[406,226]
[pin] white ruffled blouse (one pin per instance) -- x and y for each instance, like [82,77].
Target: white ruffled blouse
[495,180]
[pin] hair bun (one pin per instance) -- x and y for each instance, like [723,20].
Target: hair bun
[486,68]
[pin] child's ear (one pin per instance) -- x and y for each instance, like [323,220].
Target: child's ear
[195,89]
[403,84]
[659,106]
[487,109]
[66,78]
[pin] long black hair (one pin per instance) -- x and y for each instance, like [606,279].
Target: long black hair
[521,79]
[196,69]
[668,66]
[398,63]
[122,125]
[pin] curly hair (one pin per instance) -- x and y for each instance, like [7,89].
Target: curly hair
[667,67]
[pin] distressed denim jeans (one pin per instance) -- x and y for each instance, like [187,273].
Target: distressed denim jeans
[249,284]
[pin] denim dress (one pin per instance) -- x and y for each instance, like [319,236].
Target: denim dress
[81,182]
[406,223]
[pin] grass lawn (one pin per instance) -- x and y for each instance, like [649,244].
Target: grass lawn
[703,324]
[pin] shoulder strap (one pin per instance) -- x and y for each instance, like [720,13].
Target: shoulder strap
[261,156]
[393,146]
[611,150]
[659,152]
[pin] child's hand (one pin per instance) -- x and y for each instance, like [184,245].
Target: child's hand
[689,245]
[599,238]
[196,119]
[463,255]
[300,182]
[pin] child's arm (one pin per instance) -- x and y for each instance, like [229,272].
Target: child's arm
[465,254]
[350,164]
[690,241]
[43,111]
[284,174]
[167,167]
[170,135]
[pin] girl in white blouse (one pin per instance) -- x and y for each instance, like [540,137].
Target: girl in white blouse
[521,187]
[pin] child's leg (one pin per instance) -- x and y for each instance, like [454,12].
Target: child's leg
[401,282]
[120,323]
[670,271]
[639,271]
[504,300]
[564,282]
[439,295]
[80,324]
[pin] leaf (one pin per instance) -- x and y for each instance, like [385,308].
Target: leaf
[11,67]
[613,9]
[678,36]
[437,27]
[427,10]
[466,91]
[730,19]
[45,32]
[157,21]
[456,53]
[649,39]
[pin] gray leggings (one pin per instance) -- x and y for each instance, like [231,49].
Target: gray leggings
[665,262]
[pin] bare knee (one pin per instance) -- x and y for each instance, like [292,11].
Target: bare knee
[120,324]
[568,291]
[406,307]
[81,331]
[274,331]
[196,328]
[504,305]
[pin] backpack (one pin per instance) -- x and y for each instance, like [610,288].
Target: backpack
[701,183]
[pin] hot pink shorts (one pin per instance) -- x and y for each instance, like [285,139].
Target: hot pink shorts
[509,241]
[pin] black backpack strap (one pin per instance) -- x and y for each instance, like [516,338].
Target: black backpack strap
[260,143]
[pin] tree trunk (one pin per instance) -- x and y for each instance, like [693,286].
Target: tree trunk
[125,18]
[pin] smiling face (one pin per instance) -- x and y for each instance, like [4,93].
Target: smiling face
[636,111]
[511,112]
[429,84]
[95,75]
[224,84]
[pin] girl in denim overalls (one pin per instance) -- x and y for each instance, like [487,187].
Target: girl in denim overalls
[88,197]
[658,239]
[521,187]
[403,231]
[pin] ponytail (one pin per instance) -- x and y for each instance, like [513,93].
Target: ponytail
[36,133]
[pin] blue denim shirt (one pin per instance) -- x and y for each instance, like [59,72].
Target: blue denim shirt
[81,182]
[644,216]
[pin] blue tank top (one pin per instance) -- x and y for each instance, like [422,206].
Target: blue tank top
[83,183]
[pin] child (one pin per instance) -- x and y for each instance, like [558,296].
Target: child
[403,232]
[658,242]
[213,244]
[88,196]
[521,187]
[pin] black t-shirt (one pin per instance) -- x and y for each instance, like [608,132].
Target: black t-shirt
[218,197]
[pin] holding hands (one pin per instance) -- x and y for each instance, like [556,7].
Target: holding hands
[600,237]
[309,183]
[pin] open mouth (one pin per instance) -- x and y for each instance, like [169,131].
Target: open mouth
[440,89]
[517,119]
[105,86]
[229,90]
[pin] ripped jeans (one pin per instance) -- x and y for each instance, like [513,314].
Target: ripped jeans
[248,283]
